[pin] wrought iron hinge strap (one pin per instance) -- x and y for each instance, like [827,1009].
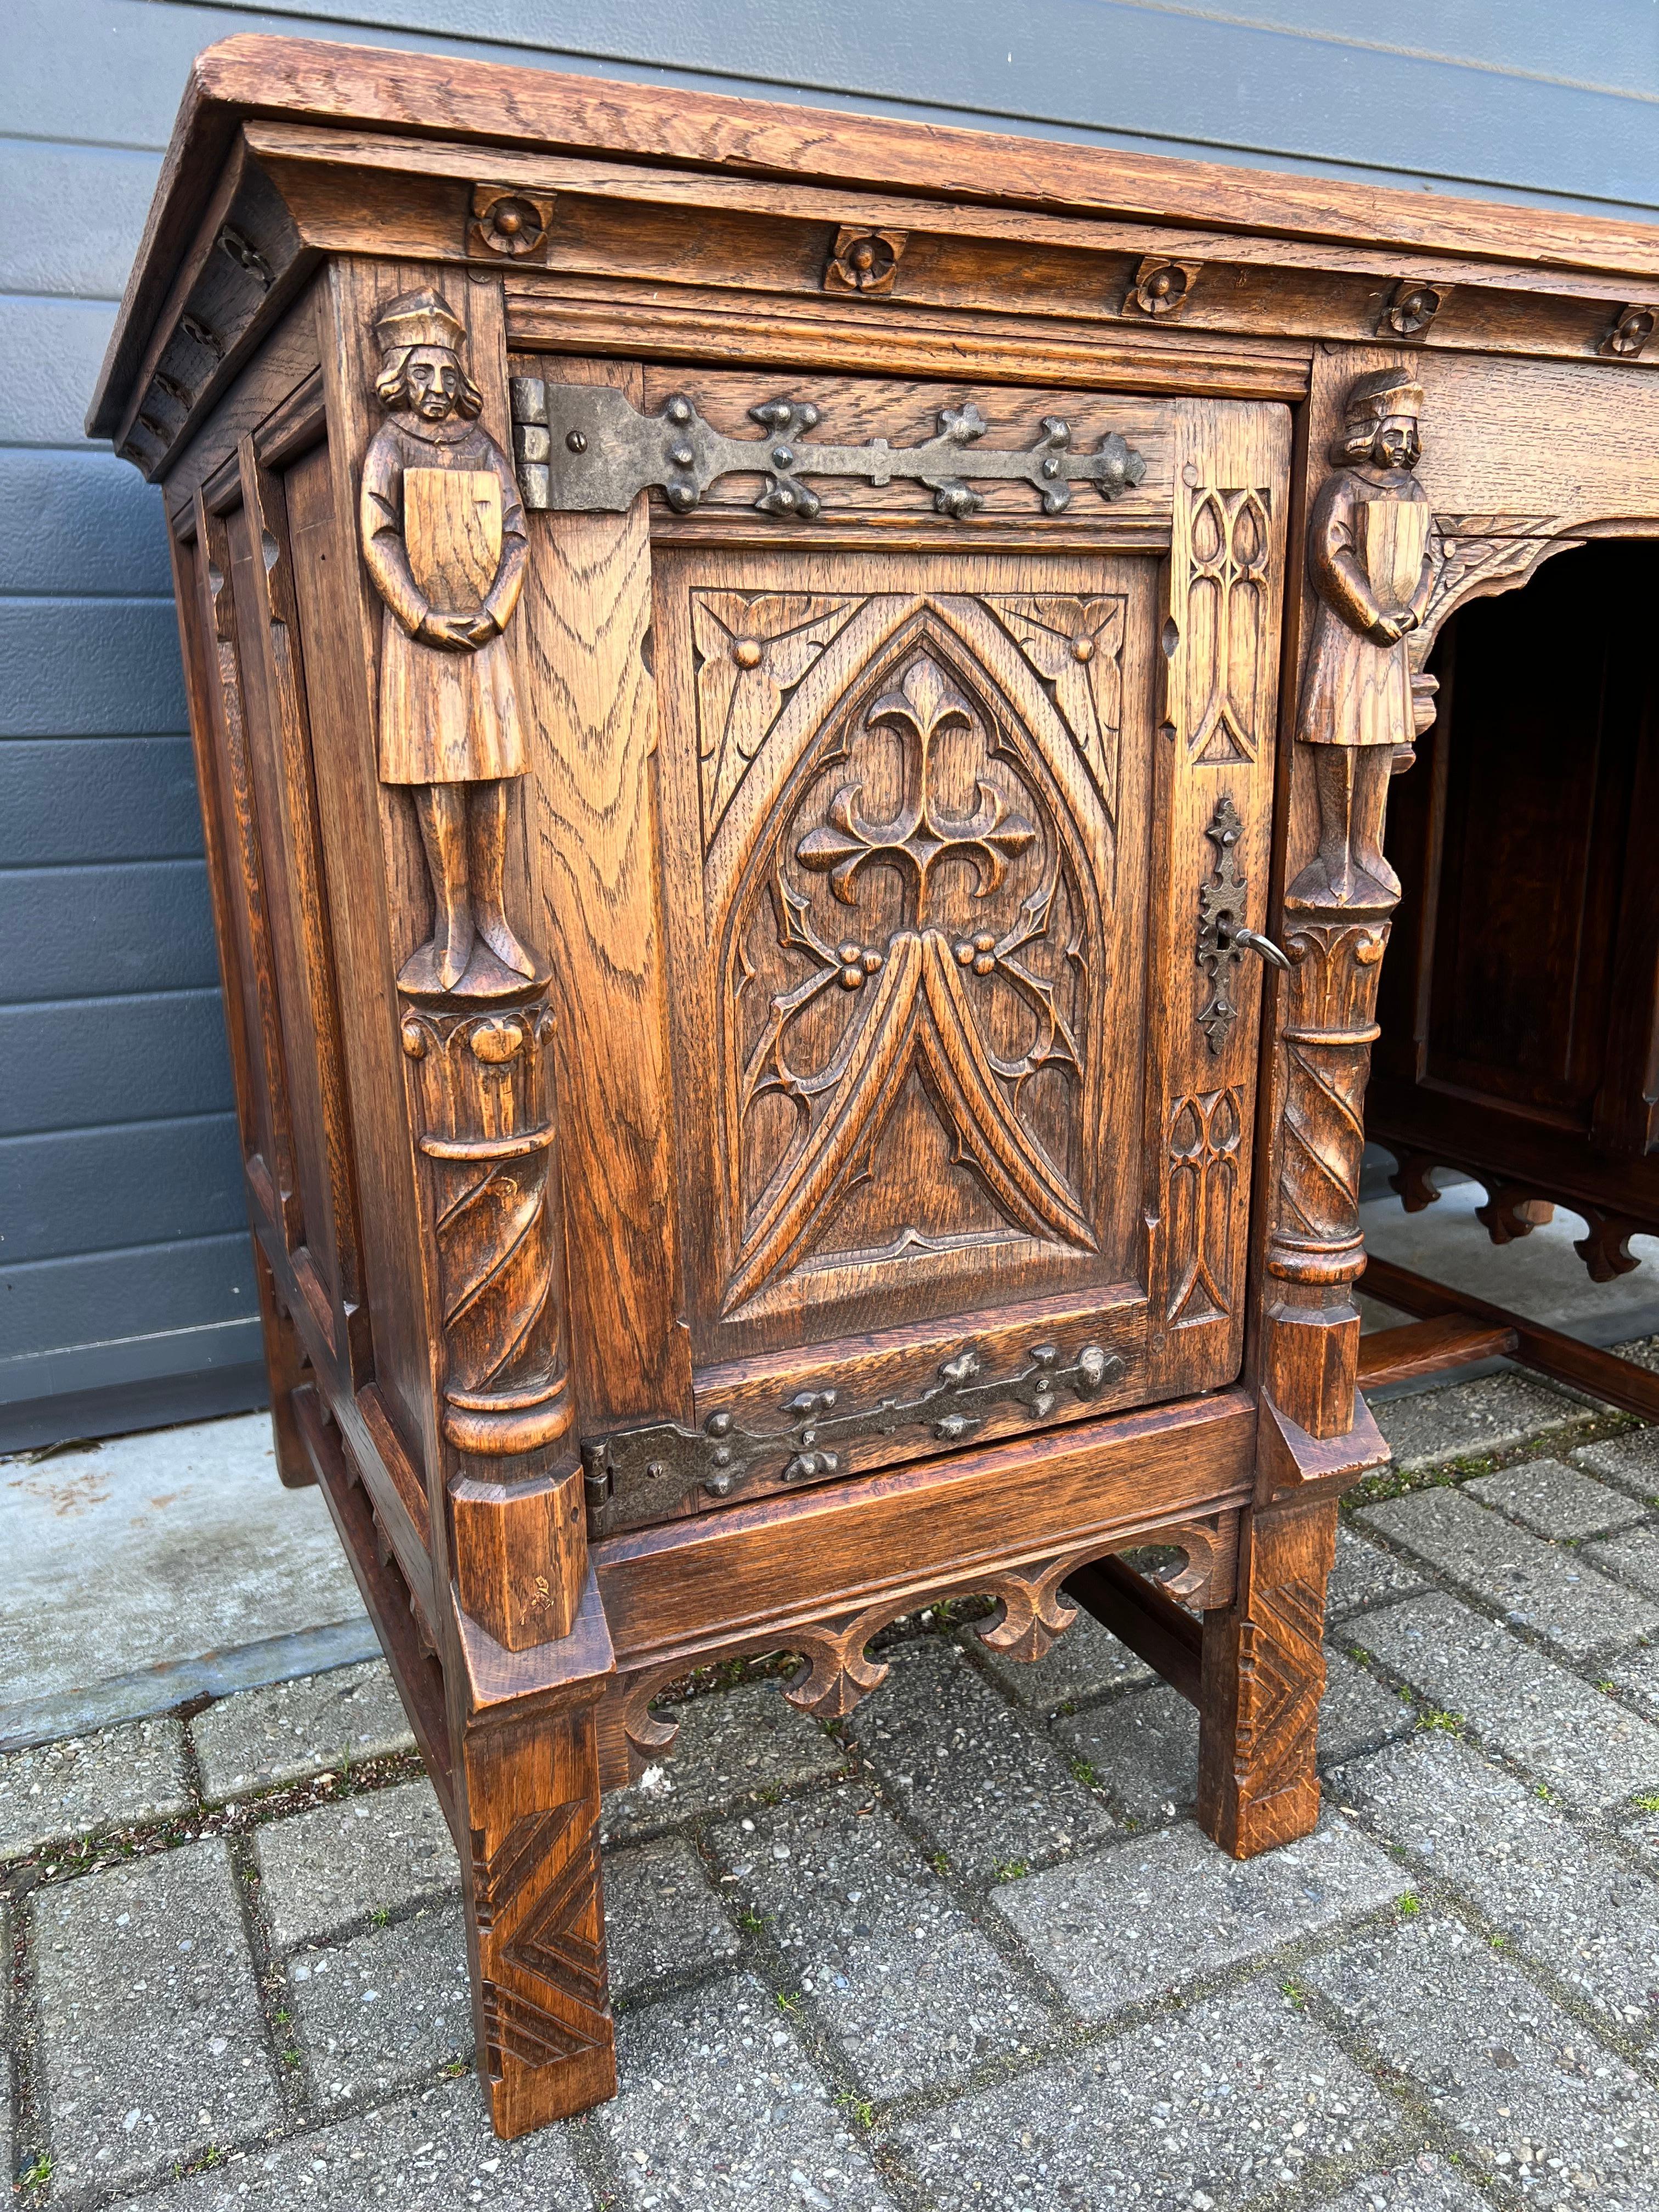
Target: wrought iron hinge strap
[583,448]
[640,1474]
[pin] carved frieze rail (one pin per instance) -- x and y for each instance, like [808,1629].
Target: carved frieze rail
[1514,1209]
[584,448]
[641,1475]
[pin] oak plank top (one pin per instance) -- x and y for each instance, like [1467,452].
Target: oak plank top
[356,88]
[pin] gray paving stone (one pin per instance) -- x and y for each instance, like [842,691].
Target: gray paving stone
[155,2047]
[884,1955]
[1562,1731]
[719,2106]
[1631,1461]
[433,2154]
[1366,1576]
[385,2012]
[8,2155]
[1554,1499]
[321,1722]
[1634,1557]
[1641,1834]
[985,1788]
[321,1871]
[1161,1911]
[1533,2095]
[1637,1674]
[1466,1420]
[1357,1712]
[119,1779]
[1143,1750]
[1423,2184]
[731,1745]
[1543,1586]
[661,1918]
[1222,2104]
[1556,1893]
[1088,1661]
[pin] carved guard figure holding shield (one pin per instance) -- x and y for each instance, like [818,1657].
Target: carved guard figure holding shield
[1368,560]
[444,537]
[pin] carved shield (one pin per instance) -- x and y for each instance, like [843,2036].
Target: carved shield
[452,529]
[1393,537]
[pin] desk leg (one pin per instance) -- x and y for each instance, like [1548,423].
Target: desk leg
[535,1914]
[1263,1677]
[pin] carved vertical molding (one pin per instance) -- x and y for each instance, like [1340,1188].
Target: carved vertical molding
[1355,709]
[479,1094]
[1214,766]
[480,1105]
[443,542]
[1327,1037]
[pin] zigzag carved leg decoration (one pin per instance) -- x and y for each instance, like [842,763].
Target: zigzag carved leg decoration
[537,1917]
[1264,1674]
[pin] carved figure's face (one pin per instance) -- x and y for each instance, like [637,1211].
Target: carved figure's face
[435,382]
[1396,445]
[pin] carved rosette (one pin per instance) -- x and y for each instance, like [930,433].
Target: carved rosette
[1328,1038]
[479,1086]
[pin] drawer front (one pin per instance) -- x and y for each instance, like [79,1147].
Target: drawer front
[960,1121]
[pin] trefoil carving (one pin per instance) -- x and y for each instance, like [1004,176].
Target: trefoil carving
[946,977]
[1410,309]
[1632,331]
[1076,647]
[752,650]
[1161,289]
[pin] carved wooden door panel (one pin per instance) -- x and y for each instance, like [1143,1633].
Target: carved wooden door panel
[904,964]
[962,1118]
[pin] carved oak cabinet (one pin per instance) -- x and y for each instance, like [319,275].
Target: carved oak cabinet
[793,716]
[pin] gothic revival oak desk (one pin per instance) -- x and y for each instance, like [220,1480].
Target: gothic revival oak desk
[794,718]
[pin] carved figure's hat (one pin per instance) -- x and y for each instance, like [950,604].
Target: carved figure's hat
[419,318]
[1385,392]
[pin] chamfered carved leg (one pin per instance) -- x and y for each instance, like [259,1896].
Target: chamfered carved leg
[286,1366]
[1263,1676]
[535,1913]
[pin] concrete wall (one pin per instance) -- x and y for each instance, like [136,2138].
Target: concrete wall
[125,1288]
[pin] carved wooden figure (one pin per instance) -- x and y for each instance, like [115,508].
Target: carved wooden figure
[444,539]
[777,1082]
[1368,558]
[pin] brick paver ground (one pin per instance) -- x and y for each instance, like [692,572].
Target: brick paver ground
[966,1950]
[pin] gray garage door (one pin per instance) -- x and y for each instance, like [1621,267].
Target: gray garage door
[125,1292]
